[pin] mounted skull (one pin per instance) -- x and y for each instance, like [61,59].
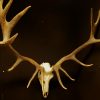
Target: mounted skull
[44,78]
[44,70]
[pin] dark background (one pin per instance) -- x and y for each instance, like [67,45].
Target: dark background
[50,30]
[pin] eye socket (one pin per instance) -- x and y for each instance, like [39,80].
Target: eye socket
[43,82]
[39,72]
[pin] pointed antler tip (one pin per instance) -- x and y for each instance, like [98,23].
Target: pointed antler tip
[65,88]
[10,69]
[29,7]
[73,79]
[27,86]
[90,65]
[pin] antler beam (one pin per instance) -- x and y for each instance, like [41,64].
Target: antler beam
[72,55]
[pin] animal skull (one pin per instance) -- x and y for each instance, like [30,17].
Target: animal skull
[44,78]
[44,70]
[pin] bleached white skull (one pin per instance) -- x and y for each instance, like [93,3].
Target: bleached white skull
[44,78]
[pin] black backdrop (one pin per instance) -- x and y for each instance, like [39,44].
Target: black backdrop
[48,31]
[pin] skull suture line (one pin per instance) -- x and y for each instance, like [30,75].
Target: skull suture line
[44,71]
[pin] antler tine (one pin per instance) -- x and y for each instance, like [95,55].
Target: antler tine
[67,74]
[32,78]
[92,23]
[98,19]
[56,69]
[81,63]
[6,26]
[72,55]
[59,79]
[14,21]
[1,3]
[7,7]
[18,61]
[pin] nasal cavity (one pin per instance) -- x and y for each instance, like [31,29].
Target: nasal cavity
[45,94]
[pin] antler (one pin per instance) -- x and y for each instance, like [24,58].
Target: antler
[72,55]
[7,28]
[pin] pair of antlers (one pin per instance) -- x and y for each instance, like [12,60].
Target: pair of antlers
[7,28]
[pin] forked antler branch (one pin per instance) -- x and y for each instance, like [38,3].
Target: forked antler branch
[72,55]
[6,26]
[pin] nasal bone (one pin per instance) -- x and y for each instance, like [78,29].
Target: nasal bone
[45,94]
